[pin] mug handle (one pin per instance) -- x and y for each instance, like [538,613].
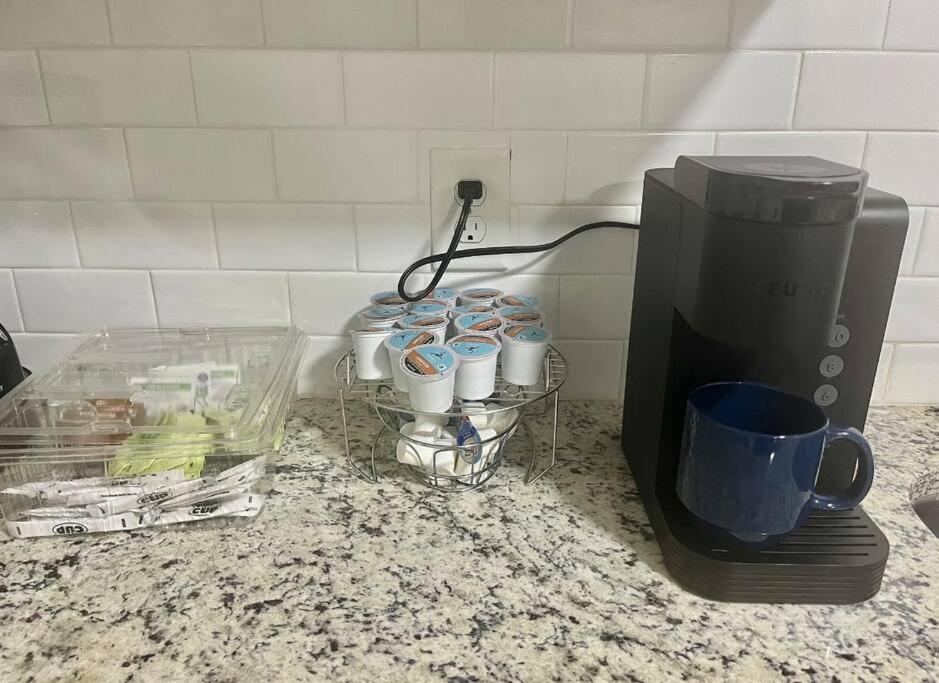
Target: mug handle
[862,480]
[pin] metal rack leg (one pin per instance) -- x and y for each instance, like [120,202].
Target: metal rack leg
[529,479]
[373,477]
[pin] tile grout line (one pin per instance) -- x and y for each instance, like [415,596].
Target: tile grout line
[156,308]
[492,92]
[42,87]
[192,87]
[644,92]
[883,42]
[264,42]
[569,38]
[16,294]
[342,87]
[130,172]
[731,18]
[417,23]
[71,221]
[277,197]
[218,251]
[107,17]
[798,88]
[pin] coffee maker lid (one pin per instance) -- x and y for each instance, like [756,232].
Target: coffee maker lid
[798,190]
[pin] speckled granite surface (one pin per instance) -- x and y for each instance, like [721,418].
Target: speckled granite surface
[341,579]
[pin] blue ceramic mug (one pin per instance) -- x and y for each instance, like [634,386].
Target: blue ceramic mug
[750,455]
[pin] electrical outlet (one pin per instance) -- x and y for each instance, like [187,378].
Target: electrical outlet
[489,219]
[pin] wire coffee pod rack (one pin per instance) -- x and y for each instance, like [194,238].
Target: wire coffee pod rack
[462,448]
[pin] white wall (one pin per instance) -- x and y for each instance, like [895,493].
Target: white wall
[240,161]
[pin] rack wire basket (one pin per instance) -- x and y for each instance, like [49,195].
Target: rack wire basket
[445,465]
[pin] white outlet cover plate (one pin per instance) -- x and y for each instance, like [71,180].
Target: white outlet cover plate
[493,167]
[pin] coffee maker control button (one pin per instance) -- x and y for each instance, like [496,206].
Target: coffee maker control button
[825,395]
[831,366]
[839,336]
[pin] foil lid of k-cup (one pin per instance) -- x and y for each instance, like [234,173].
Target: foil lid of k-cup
[457,311]
[383,313]
[479,322]
[431,322]
[444,294]
[518,300]
[388,298]
[429,307]
[474,346]
[432,361]
[481,293]
[369,331]
[523,318]
[409,339]
[526,334]
[509,310]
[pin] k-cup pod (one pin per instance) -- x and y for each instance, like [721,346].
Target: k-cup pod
[457,311]
[429,307]
[517,300]
[437,324]
[480,295]
[486,324]
[430,372]
[381,316]
[522,317]
[371,359]
[445,294]
[388,298]
[476,376]
[400,342]
[523,350]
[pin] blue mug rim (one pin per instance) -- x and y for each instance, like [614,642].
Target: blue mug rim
[826,423]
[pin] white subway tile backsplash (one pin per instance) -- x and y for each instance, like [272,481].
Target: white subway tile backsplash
[186,22]
[742,90]
[329,303]
[911,244]
[9,303]
[144,234]
[843,147]
[390,237]
[346,165]
[21,100]
[455,139]
[37,234]
[914,314]
[39,352]
[836,91]
[271,88]
[341,23]
[53,22]
[795,24]
[914,371]
[221,297]
[912,25]
[285,236]
[201,164]
[317,373]
[905,163]
[414,89]
[593,369]
[609,168]
[640,24]
[102,87]
[583,296]
[607,251]
[883,371]
[493,24]
[55,300]
[568,90]
[86,163]
[538,167]
[927,255]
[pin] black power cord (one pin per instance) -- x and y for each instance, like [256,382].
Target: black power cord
[468,194]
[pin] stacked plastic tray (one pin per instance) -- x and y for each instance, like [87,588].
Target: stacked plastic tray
[148,428]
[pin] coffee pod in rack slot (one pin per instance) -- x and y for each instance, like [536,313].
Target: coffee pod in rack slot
[399,343]
[476,376]
[429,307]
[446,295]
[516,317]
[381,316]
[388,298]
[437,324]
[430,373]
[486,324]
[518,300]
[524,348]
[371,359]
[480,295]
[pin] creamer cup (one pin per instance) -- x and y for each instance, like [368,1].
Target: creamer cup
[432,323]
[524,348]
[399,342]
[517,317]
[480,295]
[430,372]
[486,324]
[381,316]
[429,307]
[476,376]
[371,359]
[523,300]
[388,298]
[445,294]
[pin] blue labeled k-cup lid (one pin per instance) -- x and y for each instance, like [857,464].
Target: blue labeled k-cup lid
[428,307]
[519,300]
[526,333]
[474,346]
[471,308]
[409,339]
[480,293]
[388,298]
[479,322]
[428,321]
[383,312]
[510,310]
[445,293]
[429,361]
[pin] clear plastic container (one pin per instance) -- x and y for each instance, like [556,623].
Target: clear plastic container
[148,428]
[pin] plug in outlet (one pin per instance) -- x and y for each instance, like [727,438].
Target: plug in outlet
[489,219]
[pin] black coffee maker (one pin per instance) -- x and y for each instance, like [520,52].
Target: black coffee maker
[774,269]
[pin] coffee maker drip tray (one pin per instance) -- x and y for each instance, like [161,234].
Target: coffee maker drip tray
[837,557]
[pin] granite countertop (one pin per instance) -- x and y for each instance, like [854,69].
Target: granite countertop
[342,579]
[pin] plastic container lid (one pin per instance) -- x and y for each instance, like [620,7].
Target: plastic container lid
[444,293]
[525,334]
[431,322]
[518,300]
[474,347]
[383,313]
[481,293]
[457,311]
[388,298]
[431,362]
[429,307]
[479,322]
[409,339]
